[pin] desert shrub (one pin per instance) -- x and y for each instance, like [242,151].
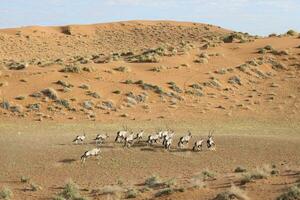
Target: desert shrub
[293,193]
[6,193]
[5,104]
[71,192]
[20,97]
[207,174]
[51,93]
[164,192]
[233,193]
[16,108]
[34,106]
[158,69]
[84,86]
[128,81]
[36,95]
[64,83]
[154,88]
[17,66]
[117,92]
[240,169]
[122,69]
[34,187]
[147,57]
[88,69]
[71,69]
[234,80]
[24,179]
[88,104]
[175,88]
[64,103]
[152,181]
[291,33]
[201,60]
[131,193]
[93,94]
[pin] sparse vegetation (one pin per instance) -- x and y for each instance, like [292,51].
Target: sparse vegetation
[233,193]
[164,192]
[207,174]
[293,193]
[291,33]
[131,193]
[6,193]
[51,93]
[24,179]
[122,69]
[71,69]
[153,181]
[70,192]
[240,169]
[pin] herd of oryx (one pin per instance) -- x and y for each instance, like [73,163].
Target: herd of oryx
[128,138]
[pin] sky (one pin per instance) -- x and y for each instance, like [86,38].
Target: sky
[257,17]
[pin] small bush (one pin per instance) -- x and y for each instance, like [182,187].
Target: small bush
[233,193]
[208,175]
[24,179]
[152,181]
[5,104]
[122,69]
[6,193]
[84,86]
[132,193]
[34,187]
[291,33]
[88,69]
[117,92]
[240,169]
[51,93]
[20,97]
[164,192]
[71,69]
[293,193]
[70,191]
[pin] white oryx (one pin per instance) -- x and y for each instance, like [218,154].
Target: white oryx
[168,136]
[210,142]
[121,135]
[184,140]
[129,140]
[79,138]
[90,153]
[198,145]
[100,138]
[139,135]
[153,138]
[168,143]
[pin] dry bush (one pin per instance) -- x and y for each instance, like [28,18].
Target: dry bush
[51,93]
[6,193]
[240,169]
[293,193]
[71,69]
[233,193]
[70,192]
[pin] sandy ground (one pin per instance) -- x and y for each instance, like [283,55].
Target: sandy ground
[246,89]
[46,154]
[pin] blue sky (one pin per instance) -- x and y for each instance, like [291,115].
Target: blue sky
[254,16]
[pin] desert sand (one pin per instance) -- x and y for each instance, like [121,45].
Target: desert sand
[58,82]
